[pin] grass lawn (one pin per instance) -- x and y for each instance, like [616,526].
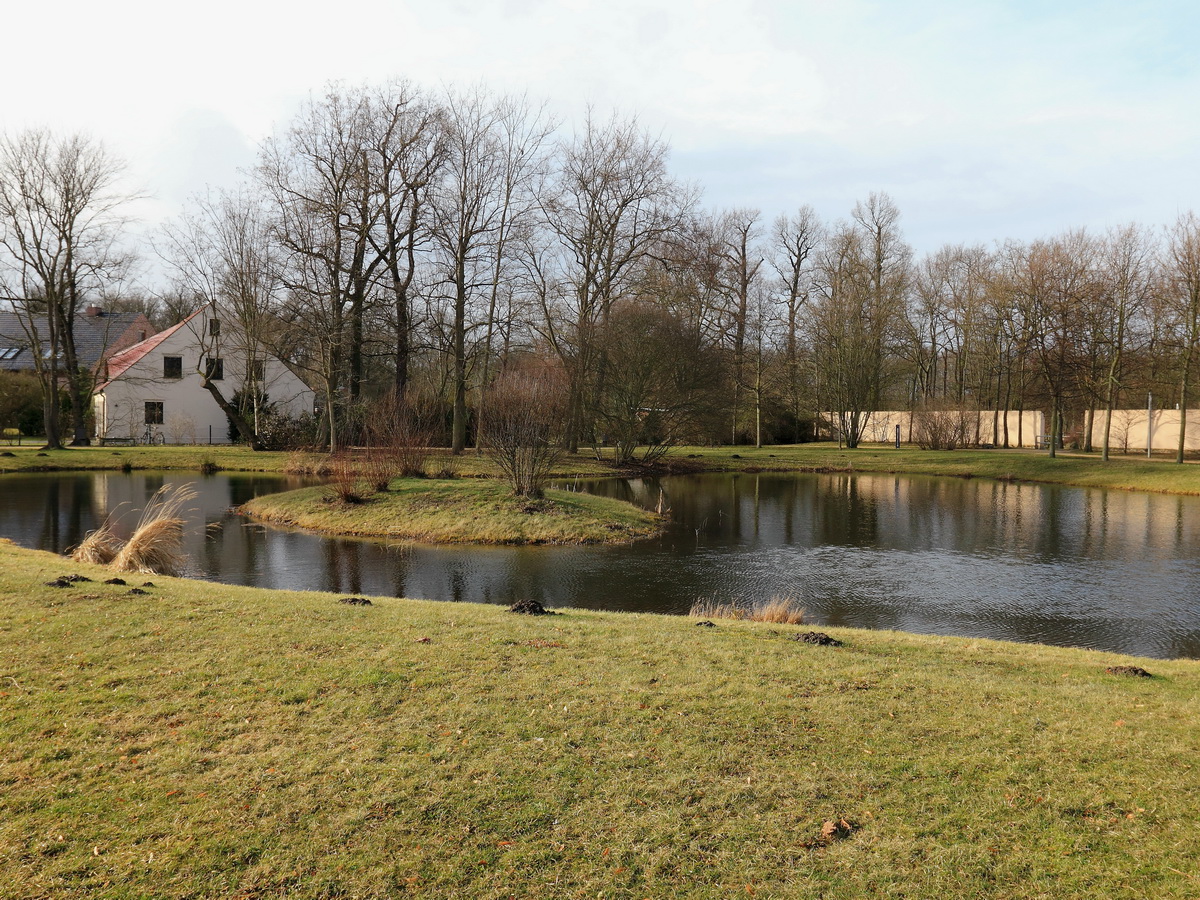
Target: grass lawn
[202,740]
[461,510]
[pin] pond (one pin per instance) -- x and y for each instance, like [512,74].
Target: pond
[1074,567]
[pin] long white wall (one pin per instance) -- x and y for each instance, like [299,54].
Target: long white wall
[1132,428]
[1024,428]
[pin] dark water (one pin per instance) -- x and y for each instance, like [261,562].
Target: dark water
[1088,568]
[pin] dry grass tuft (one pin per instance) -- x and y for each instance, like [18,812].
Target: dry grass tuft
[777,610]
[156,547]
[98,547]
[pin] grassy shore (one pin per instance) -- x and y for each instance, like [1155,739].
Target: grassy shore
[1133,473]
[1083,470]
[202,740]
[458,510]
[237,458]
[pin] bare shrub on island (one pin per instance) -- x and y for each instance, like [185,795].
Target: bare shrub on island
[525,425]
[400,431]
[347,483]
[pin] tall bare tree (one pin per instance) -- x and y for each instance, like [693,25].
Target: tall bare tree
[610,201]
[1128,278]
[741,267]
[494,149]
[221,253]
[1183,276]
[60,222]
[795,240]
[347,183]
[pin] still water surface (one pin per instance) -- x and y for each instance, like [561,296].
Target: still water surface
[1067,566]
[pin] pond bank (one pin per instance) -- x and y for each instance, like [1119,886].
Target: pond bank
[1159,475]
[206,734]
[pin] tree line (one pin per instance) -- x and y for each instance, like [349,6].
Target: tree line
[421,251]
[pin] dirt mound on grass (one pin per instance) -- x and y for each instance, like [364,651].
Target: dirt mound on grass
[530,608]
[820,638]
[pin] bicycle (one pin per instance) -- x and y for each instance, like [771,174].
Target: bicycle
[153,436]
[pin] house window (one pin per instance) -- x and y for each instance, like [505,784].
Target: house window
[154,412]
[214,326]
[214,368]
[9,352]
[172,367]
[258,370]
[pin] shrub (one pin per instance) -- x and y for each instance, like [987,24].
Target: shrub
[279,431]
[523,428]
[21,402]
[345,480]
[402,428]
[936,426]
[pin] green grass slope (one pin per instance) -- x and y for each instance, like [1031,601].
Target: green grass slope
[202,740]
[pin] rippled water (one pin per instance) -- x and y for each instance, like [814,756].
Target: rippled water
[1107,570]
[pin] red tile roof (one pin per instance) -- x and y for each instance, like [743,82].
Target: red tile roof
[119,363]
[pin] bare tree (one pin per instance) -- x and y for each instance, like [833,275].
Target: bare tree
[1183,276]
[1129,278]
[493,155]
[794,242]
[662,380]
[741,265]
[221,253]
[59,227]
[611,200]
[406,137]
[346,184]
[864,275]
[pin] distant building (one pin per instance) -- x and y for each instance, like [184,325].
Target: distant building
[98,335]
[156,384]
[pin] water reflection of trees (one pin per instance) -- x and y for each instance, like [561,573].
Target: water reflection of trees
[991,559]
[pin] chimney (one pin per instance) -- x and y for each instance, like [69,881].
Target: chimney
[92,311]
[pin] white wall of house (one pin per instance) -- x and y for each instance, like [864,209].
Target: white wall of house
[190,415]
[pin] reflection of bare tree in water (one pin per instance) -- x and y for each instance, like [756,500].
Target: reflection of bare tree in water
[343,570]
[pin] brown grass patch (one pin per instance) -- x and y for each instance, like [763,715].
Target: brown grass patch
[777,610]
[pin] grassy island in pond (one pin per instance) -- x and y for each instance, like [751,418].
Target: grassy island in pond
[461,511]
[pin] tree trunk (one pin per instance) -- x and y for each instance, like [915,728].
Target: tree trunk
[458,434]
[235,416]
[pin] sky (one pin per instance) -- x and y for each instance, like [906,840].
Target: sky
[984,120]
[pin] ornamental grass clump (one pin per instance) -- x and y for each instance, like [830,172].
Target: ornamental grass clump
[98,547]
[156,546]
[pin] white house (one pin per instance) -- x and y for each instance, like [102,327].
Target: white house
[154,389]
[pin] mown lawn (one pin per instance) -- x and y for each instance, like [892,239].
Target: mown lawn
[202,740]
[461,510]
